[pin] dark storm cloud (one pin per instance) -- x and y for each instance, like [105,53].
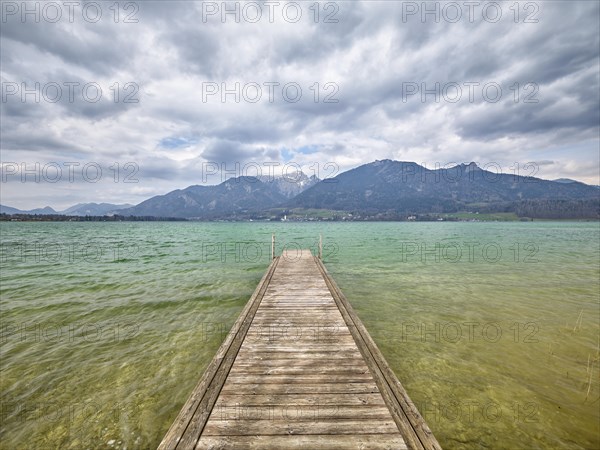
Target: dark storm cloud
[79,44]
[226,151]
[492,122]
[229,152]
[31,142]
[324,40]
[252,130]
[198,48]
[567,42]
[69,96]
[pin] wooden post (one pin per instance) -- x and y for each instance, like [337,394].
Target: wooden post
[272,246]
[320,246]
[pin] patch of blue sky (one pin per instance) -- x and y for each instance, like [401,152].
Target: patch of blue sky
[308,149]
[177,142]
[286,154]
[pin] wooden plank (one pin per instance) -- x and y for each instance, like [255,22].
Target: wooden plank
[323,314]
[313,310]
[305,329]
[298,298]
[391,441]
[298,319]
[289,346]
[261,364]
[289,322]
[298,332]
[298,370]
[297,342]
[296,304]
[302,297]
[295,373]
[295,399]
[299,329]
[297,412]
[341,426]
[299,379]
[304,338]
[283,292]
[286,358]
[331,354]
[295,388]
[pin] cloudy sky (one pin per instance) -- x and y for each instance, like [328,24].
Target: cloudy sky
[115,105]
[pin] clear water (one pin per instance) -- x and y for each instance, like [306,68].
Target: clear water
[493,328]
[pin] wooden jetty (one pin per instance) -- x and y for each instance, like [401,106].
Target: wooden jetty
[298,370]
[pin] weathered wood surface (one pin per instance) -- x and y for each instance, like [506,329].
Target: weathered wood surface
[298,370]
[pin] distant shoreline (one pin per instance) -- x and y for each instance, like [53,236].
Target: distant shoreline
[460,217]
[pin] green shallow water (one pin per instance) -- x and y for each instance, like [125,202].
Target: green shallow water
[493,328]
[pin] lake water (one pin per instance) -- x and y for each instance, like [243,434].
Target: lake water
[492,328]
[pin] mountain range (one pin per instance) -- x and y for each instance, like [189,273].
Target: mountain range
[81,209]
[396,187]
[234,198]
[379,190]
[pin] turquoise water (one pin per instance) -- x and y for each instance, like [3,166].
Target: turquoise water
[493,328]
